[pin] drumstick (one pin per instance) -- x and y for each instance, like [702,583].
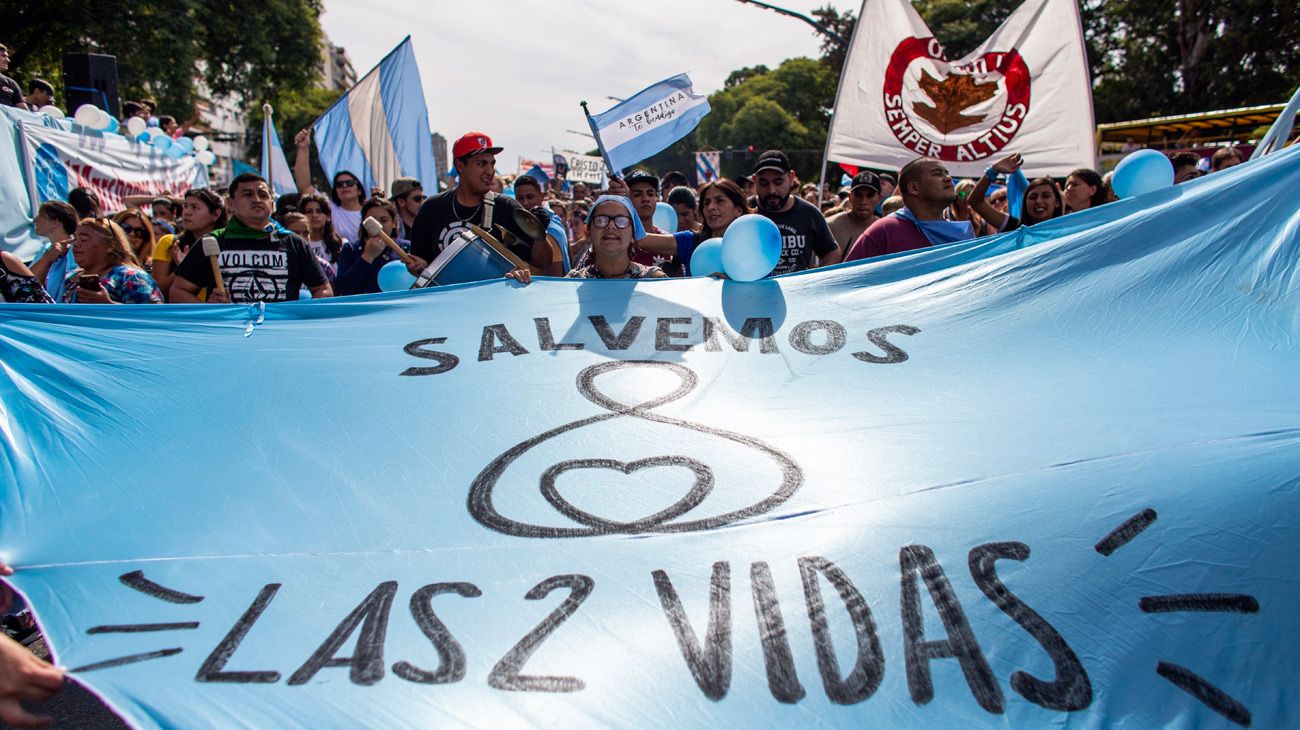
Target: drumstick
[212,250]
[373,228]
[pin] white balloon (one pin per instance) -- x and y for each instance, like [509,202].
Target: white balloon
[52,111]
[206,157]
[201,143]
[152,131]
[136,126]
[87,115]
[103,122]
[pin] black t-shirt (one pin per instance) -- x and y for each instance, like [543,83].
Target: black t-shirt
[441,217]
[11,94]
[803,232]
[270,269]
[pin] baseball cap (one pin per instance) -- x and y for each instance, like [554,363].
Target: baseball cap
[641,176]
[893,179]
[403,185]
[866,179]
[472,142]
[772,160]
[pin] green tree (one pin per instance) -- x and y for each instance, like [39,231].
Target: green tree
[163,50]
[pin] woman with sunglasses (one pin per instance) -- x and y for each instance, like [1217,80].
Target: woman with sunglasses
[202,212]
[346,193]
[613,226]
[139,232]
[324,241]
[107,272]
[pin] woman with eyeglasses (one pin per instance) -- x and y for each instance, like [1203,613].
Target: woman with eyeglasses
[139,232]
[346,193]
[323,240]
[202,212]
[107,272]
[612,225]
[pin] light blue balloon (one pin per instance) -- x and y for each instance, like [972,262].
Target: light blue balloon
[162,141]
[152,121]
[707,257]
[1142,172]
[143,137]
[304,294]
[751,248]
[113,125]
[665,218]
[174,152]
[185,144]
[394,277]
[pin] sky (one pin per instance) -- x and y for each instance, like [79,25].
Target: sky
[516,69]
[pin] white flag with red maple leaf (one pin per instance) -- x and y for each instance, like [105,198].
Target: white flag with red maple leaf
[1024,90]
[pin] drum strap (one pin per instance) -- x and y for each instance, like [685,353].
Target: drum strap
[489,200]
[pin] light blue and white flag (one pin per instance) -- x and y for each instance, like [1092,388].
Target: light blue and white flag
[648,122]
[275,168]
[379,130]
[707,165]
[1042,479]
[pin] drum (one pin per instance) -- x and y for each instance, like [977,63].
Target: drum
[473,255]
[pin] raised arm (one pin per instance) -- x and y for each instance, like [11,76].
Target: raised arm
[302,163]
[980,204]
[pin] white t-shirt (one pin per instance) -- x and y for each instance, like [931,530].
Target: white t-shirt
[346,222]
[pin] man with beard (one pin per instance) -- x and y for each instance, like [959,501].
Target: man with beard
[927,191]
[472,202]
[864,197]
[803,228]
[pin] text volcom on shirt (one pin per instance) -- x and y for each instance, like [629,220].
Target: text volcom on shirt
[255,276]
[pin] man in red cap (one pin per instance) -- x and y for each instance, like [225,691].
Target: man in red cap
[472,201]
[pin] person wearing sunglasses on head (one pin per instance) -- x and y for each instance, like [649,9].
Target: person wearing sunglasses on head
[407,194]
[346,193]
[614,225]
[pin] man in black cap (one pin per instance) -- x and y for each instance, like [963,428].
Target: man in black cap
[864,196]
[803,228]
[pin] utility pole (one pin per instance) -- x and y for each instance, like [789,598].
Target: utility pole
[818,26]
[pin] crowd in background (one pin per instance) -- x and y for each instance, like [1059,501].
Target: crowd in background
[313,244]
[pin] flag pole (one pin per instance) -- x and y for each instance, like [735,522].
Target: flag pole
[609,168]
[267,165]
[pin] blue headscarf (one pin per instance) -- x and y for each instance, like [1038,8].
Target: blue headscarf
[638,230]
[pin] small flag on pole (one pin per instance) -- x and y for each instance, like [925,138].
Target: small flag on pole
[706,166]
[648,122]
[275,168]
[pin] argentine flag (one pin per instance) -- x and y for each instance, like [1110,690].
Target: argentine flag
[275,168]
[379,130]
[648,122]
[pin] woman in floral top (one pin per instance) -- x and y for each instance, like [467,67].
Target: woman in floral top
[101,249]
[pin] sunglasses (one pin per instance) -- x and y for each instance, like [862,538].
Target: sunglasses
[620,222]
[346,184]
[131,230]
[417,197]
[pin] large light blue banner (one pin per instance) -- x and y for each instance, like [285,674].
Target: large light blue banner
[1046,479]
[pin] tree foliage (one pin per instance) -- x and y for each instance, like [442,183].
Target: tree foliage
[260,50]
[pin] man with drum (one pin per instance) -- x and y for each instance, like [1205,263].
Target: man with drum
[472,201]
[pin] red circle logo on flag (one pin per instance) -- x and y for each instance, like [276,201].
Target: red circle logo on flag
[955,113]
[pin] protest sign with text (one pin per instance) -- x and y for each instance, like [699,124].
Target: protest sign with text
[977,485]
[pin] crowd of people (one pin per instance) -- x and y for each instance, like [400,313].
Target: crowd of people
[313,244]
